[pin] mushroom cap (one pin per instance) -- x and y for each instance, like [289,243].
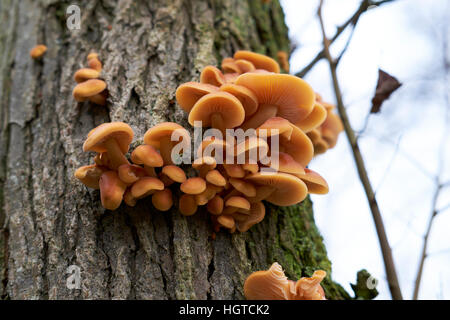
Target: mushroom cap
[288,189]
[146,186]
[287,164]
[174,173]
[308,288]
[154,135]
[331,128]
[314,119]
[206,195]
[234,170]
[247,98]
[162,199]
[147,155]
[208,163]
[119,131]
[256,215]
[299,146]
[315,182]
[226,221]
[187,205]
[111,190]
[90,175]
[244,65]
[189,93]
[92,55]
[194,185]
[85,74]
[87,89]
[212,75]
[130,173]
[215,205]
[260,61]
[215,177]
[244,187]
[271,284]
[253,149]
[275,126]
[229,66]
[238,202]
[226,104]
[38,51]
[293,96]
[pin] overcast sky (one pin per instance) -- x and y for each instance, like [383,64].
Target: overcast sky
[400,145]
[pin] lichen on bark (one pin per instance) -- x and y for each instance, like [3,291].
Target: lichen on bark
[52,221]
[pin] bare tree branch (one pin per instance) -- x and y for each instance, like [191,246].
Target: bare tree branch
[439,184]
[352,21]
[391,273]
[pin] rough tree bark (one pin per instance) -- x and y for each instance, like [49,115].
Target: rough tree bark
[51,221]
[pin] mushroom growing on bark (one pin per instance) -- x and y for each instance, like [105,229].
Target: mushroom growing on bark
[280,95]
[160,135]
[273,284]
[38,51]
[113,138]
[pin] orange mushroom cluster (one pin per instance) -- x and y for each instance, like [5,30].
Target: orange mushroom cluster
[325,136]
[89,86]
[250,93]
[273,284]
[149,172]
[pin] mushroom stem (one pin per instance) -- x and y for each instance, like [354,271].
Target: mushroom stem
[117,158]
[165,148]
[217,122]
[265,112]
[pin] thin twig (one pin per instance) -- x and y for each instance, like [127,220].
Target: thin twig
[391,274]
[439,184]
[353,20]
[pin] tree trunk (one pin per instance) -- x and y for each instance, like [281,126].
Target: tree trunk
[51,221]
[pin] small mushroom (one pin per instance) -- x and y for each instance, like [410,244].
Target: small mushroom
[220,110]
[94,62]
[206,195]
[287,164]
[130,173]
[215,177]
[204,165]
[90,175]
[85,74]
[89,89]
[38,51]
[189,93]
[193,186]
[187,205]
[235,203]
[244,187]
[314,181]
[256,215]
[215,205]
[287,189]
[213,76]
[234,170]
[160,135]
[162,200]
[174,173]
[149,157]
[113,138]
[282,95]
[284,60]
[247,98]
[299,146]
[112,190]
[260,61]
[146,186]
[226,221]
[275,126]
[331,128]
[314,119]
[273,284]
